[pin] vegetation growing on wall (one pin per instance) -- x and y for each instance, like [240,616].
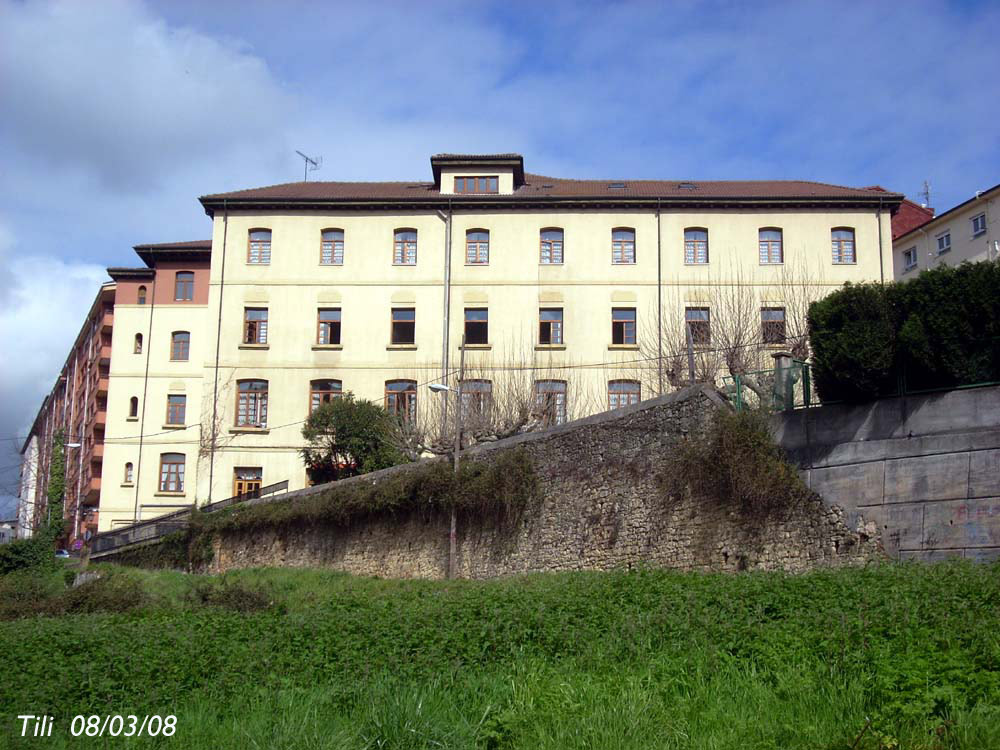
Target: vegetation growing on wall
[499,487]
[735,461]
[57,484]
[938,330]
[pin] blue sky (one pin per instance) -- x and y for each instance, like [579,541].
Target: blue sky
[117,115]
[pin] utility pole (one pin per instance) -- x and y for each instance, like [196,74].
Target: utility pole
[690,348]
[452,536]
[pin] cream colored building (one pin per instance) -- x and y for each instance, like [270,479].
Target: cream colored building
[968,232]
[572,279]
[575,292]
[155,394]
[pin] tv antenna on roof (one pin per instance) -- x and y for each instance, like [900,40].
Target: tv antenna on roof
[926,194]
[310,165]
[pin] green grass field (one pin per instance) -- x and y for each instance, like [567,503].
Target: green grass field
[651,659]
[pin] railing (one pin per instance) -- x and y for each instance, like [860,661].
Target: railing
[271,489]
[777,389]
[154,528]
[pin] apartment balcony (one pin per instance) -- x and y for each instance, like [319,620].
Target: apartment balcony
[107,321]
[102,386]
[92,493]
[100,418]
[104,354]
[97,452]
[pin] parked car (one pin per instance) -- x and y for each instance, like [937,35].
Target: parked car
[62,553]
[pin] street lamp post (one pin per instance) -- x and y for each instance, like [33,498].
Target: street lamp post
[456,454]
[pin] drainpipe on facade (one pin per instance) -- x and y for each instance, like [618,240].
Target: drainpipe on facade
[213,437]
[445,359]
[659,302]
[881,259]
[147,348]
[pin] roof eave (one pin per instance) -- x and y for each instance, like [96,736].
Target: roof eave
[885,200]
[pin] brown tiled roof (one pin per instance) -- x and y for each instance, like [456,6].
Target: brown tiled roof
[909,216]
[540,187]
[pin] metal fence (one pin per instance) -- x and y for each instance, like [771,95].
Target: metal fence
[154,528]
[777,389]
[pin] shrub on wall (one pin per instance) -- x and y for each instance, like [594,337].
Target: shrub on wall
[939,330]
[736,462]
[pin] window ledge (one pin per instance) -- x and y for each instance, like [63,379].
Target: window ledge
[632,263]
[168,494]
[401,348]
[686,263]
[128,484]
[248,431]
[254,346]
[327,347]
[543,265]
[978,234]
[477,264]
[335,265]
[474,347]
[623,347]
[131,419]
[910,268]
[174,426]
[248,263]
[845,263]
[550,347]
[775,263]
[405,265]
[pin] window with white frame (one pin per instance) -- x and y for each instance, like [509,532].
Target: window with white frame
[910,259]
[943,242]
[978,224]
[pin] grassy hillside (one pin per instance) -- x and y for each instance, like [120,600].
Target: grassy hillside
[314,659]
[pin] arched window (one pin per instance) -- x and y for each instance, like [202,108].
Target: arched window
[184,286]
[323,392]
[251,403]
[259,247]
[695,245]
[140,296]
[770,244]
[128,473]
[133,407]
[331,247]
[551,251]
[171,472]
[477,247]
[550,401]
[138,343]
[404,252]
[180,346]
[623,245]
[401,398]
[623,393]
[843,245]
[477,399]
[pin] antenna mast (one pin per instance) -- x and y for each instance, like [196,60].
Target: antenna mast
[309,165]
[926,194]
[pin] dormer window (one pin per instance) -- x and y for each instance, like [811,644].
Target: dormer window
[481,185]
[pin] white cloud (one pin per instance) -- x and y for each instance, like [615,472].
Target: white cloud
[110,88]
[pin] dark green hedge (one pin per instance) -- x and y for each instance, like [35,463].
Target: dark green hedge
[939,330]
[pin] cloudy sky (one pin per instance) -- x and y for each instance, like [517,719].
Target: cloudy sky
[118,114]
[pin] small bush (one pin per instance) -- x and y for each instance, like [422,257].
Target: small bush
[38,552]
[28,592]
[735,461]
[109,593]
[232,595]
